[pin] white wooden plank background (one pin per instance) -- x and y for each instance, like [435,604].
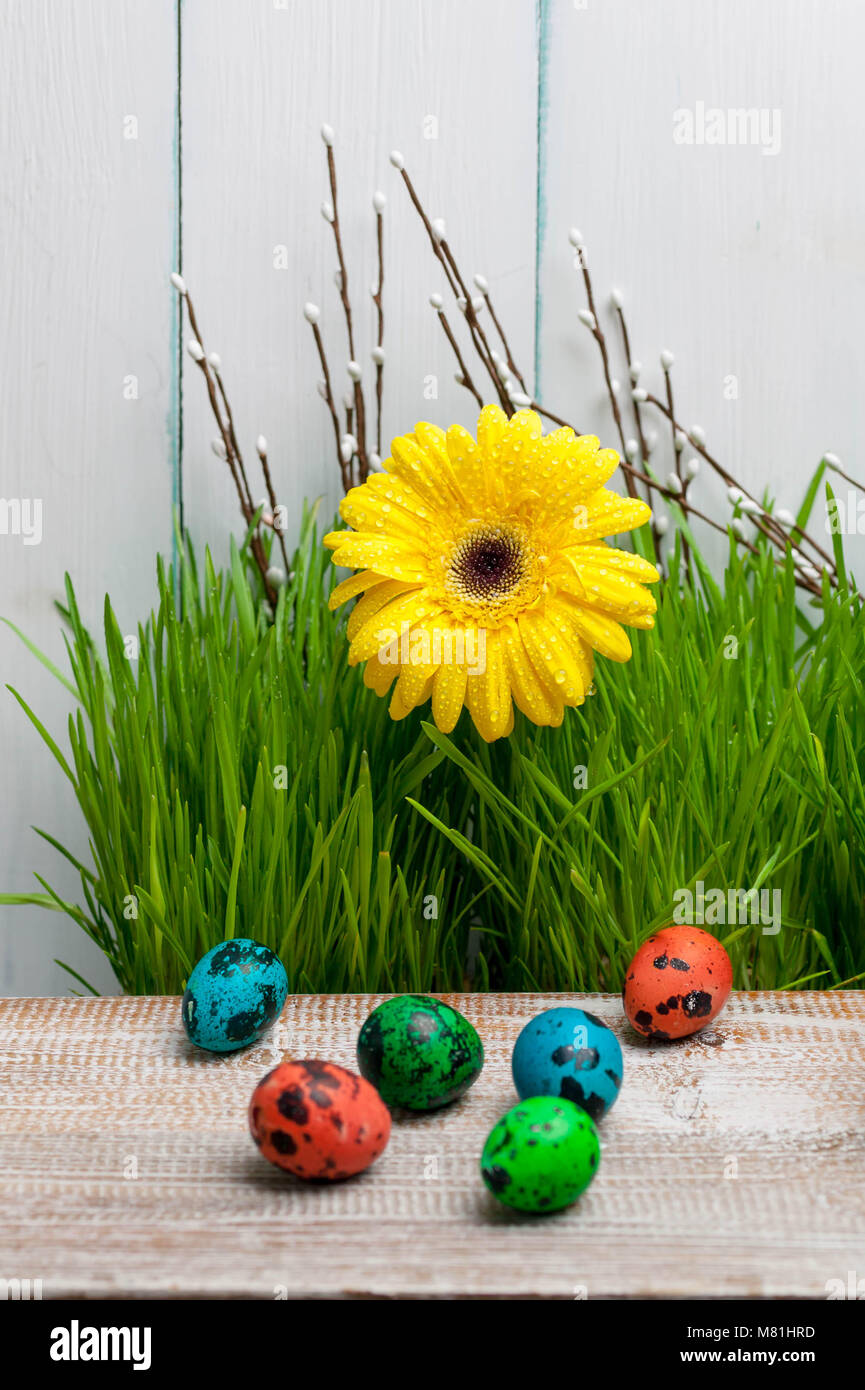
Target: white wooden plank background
[549,113]
[731,1163]
[257,84]
[87,238]
[742,264]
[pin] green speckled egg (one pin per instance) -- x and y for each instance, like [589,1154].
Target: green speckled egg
[541,1155]
[418,1052]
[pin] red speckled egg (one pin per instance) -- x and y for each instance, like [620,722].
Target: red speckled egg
[318,1120]
[677,983]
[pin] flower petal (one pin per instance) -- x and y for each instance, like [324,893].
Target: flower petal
[601,632]
[611,591]
[390,507]
[492,426]
[415,681]
[433,441]
[356,550]
[387,626]
[370,604]
[530,695]
[603,514]
[634,566]
[354,585]
[378,676]
[449,691]
[414,466]
[488,692]
[555,654]
[408,694]
[469,465]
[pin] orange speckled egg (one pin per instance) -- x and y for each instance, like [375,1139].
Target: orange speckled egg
[677,983]
[318,1120]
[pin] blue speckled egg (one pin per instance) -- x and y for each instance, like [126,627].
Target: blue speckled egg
[571,1053]
[233,994]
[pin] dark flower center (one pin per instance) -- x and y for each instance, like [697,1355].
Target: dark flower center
[487,566]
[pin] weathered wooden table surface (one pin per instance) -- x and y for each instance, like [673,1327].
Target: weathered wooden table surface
[733,1162]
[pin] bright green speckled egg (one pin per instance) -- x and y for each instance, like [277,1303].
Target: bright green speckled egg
[418,1052]
[541,1155]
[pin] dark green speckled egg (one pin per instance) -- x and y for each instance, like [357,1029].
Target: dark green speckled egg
[419,1052]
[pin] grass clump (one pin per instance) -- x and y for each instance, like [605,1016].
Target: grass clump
[237,778]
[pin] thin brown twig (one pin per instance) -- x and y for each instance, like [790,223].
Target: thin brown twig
[598,334]
[635,405]
[638,420]
[271,493]
[457,286]
[230,422]
[344,467]
[465,375]
[509,357]
[836,468]
[802,580]
[232,458]
[778,533]
[360,433]
[434,243]
[677,456]
[556,419]
[676,497]
[478,336]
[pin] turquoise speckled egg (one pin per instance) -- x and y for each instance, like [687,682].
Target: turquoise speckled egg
[233,994]
[568,1052]
[541,1155]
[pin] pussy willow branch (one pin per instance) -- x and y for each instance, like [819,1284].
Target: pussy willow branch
[638,419]
[504,342]
[642,443]
[766,524]
[464,377]
[457,286]
[802,580]
[779,535]
[598,335]
[677,455]
[344,465]
[556,419]
[232,452]
[229,419]
[836,468]
[271,494]
[478,336]
[633,474]
[360,414]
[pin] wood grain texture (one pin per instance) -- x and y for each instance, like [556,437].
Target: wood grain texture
[731,1165]
[86,397]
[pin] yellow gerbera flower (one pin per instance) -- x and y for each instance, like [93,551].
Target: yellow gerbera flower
[484,576]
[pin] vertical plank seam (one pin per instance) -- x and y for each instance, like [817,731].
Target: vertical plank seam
[542,26]
[177,325]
